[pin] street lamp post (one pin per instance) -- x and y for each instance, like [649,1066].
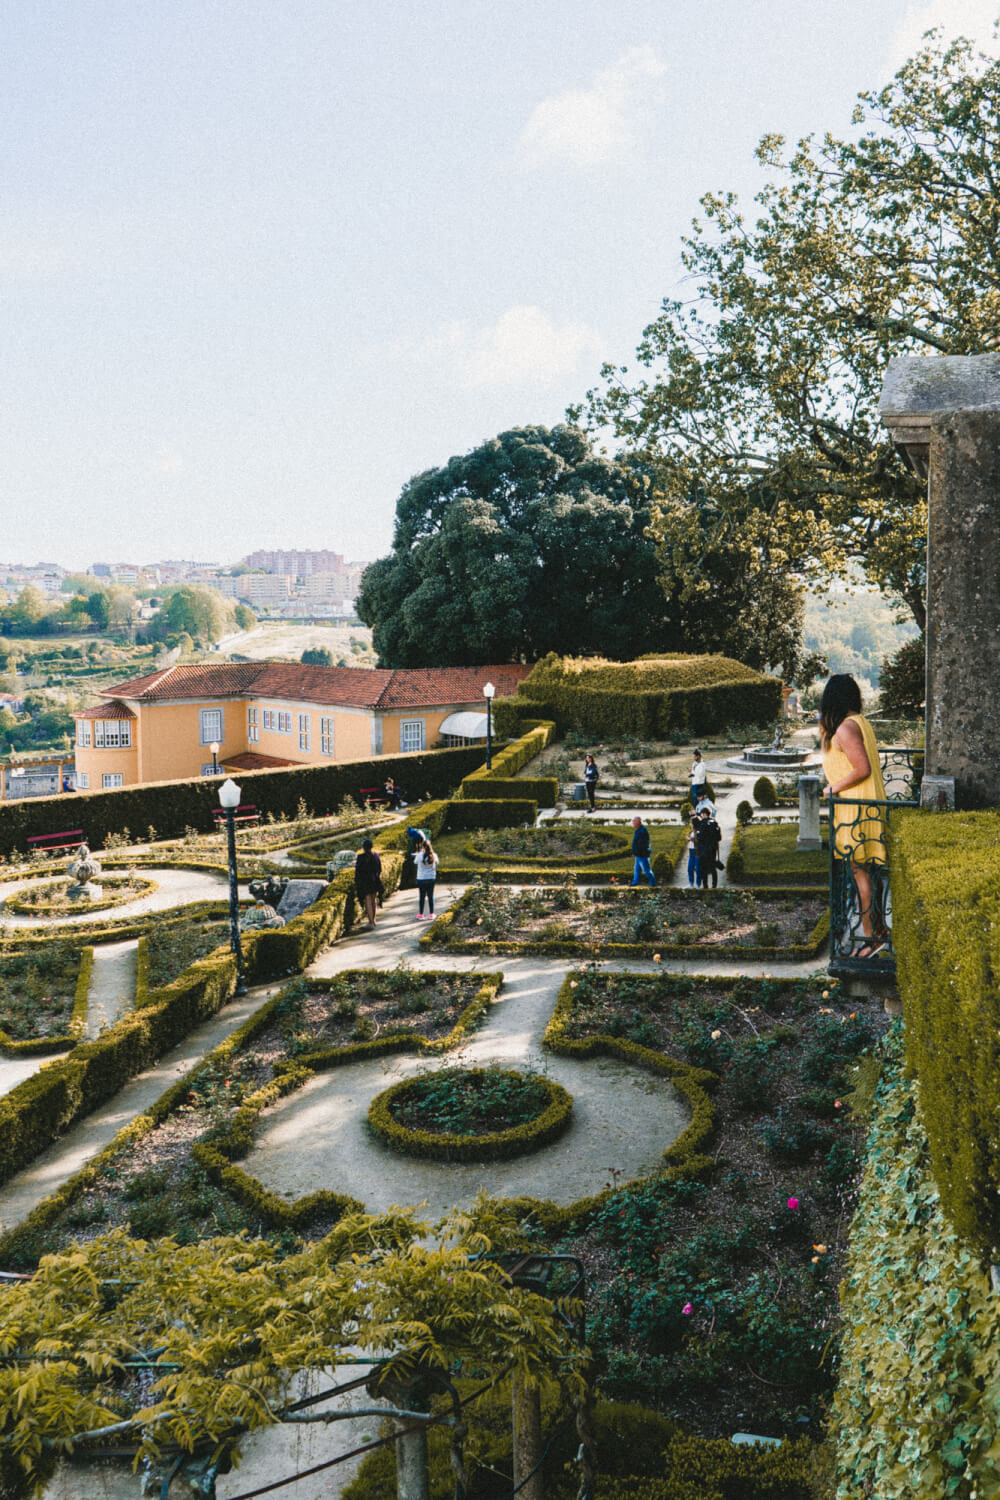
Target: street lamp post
[214,747]
[488,692]
[229,799]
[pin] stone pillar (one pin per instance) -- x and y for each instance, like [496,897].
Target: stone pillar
[528,1446]
[944,415]
[809,834]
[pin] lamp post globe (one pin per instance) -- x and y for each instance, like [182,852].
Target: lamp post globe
[229,800]
[488,693]
[214,747]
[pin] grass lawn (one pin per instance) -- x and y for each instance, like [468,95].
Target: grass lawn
[767,856]
[459,865]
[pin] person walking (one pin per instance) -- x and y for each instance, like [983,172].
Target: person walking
[707,838]
[698,775]
[427,863]
[591,776]
[368,880]
[851,765]
[641,847]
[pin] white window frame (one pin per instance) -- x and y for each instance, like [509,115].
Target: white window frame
[211,725]
[112,734]
[210,770]
[111,779]
[82,779]
[83,733]
[327,736]
[269,718]
[303,731]
[284,723]
[253,726]
[406,731]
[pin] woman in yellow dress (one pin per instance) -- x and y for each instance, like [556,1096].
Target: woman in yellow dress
[851,767]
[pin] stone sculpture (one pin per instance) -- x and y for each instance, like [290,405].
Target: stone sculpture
[83,874]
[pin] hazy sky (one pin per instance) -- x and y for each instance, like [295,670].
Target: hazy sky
[262,262]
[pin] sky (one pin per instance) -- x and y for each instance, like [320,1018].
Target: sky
[262,262]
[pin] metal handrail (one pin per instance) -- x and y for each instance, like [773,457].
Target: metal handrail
[859,887]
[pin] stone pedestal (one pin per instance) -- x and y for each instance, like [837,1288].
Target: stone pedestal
[938,793]
[809,834]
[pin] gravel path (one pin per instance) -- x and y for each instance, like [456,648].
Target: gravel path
[112,985]
[174,888]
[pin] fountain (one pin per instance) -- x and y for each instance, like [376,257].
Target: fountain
[774,757]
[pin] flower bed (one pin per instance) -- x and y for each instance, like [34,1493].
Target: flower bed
[552,843]
[50,898]
[471,1114]
[643,923]
[462,862]
[715,1298]
[40,986]
[171,1170]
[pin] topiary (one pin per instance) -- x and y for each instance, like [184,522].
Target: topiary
[744,813]
[765,793]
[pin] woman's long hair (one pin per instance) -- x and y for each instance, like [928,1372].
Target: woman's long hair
[841,697]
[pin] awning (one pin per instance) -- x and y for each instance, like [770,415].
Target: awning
[467,726]
[252,760]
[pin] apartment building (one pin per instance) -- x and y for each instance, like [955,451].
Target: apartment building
[161,727]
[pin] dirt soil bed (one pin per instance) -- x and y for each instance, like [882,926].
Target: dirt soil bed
[713,922]
[153,1186]
[716,1300]
[37,988]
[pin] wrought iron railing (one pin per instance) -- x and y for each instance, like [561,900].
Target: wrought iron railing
[860,899]
[902,773]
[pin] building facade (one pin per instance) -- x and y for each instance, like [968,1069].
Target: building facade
[269,714]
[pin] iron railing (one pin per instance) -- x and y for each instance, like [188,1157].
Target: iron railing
[860,899]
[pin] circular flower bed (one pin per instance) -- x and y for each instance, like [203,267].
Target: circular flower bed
[49,899]
[552,843]
[471,1114]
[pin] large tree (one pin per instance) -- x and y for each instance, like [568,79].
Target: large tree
[762,389]
[530,543]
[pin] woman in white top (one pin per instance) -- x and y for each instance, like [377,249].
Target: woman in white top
[427,863]
[697,775]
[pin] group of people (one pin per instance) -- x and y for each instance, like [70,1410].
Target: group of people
[368,875]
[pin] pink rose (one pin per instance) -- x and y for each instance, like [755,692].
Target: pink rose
[687,1309]
[793,1203]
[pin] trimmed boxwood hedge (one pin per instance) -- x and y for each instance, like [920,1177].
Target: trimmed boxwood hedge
[945,875]
[172,806]
[765,854]
[617,837]
[20,901]
[651,698]
[43,1106]
[497,1145]
[501,780]
[437,937]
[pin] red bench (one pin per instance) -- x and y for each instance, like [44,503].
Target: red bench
[243,814]
[51,843]
[372,794]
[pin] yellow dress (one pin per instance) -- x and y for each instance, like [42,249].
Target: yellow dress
[859,831]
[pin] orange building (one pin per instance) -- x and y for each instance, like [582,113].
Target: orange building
[262,715]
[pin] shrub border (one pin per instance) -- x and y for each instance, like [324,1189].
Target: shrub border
[42,1046]
[793,953]
[550,861]
[495,1145]
[736,862]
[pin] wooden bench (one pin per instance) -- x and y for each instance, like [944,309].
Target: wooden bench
[51,843]
[372,794]
[243,814]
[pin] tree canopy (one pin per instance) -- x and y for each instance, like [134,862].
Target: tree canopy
[762,390]
[533,542]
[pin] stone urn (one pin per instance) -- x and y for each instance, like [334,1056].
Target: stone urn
[83,873]
[260,915]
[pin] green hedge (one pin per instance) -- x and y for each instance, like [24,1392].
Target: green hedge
[946,930]
[651,699]
[917,1406]
[43,1106]
[497,1145]
[172,806]
[501,780]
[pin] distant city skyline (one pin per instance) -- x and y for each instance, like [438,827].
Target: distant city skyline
[261,265]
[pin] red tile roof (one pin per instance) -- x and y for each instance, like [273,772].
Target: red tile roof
[349,687]
[106,711]
[252,760]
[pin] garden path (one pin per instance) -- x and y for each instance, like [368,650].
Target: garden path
[112,985]
[174,888]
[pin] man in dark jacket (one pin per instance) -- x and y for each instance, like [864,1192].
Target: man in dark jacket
[707,838]
[641,847]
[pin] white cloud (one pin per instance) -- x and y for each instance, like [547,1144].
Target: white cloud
[599,126]
[523,347]
[969,18]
